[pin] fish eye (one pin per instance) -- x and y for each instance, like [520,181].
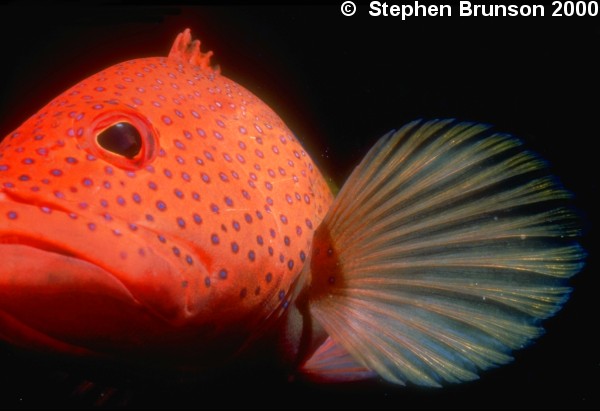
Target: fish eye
[121,138]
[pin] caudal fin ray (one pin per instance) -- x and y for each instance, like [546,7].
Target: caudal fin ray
[453,243]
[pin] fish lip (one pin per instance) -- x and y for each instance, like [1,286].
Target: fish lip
[10,196]
[8,321]
[46,246]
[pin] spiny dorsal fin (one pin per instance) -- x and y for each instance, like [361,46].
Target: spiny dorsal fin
[442,253]
[188,50]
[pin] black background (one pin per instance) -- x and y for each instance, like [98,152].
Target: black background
[340,83]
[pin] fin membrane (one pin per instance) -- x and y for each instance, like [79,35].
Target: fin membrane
[331,363]
[188,50]
[451,244]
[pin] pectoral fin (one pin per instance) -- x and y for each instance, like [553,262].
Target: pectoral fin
[442,253]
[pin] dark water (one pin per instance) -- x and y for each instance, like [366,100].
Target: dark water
[340,83]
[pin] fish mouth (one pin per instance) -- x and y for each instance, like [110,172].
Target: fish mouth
[49,308]
[64,288]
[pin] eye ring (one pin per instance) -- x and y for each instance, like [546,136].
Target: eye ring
[122,137]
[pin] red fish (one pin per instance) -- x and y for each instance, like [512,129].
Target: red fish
[158,210]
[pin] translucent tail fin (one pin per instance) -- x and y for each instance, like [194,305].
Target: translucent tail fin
[442,253]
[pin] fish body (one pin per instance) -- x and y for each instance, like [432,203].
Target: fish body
[160,210]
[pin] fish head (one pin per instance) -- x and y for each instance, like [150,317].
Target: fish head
[155,207]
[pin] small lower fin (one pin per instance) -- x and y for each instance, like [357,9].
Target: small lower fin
[442,253]
[331,363]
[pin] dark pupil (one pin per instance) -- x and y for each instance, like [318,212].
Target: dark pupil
[122,139]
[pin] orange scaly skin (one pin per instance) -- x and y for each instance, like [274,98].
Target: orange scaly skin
[187,248]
